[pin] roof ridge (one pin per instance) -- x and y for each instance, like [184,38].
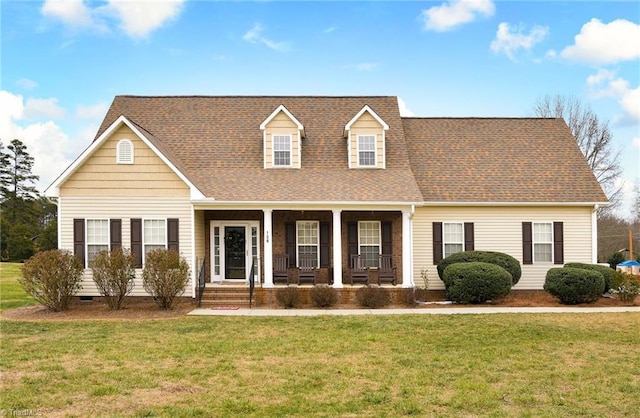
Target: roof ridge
[252,96]
[483,117]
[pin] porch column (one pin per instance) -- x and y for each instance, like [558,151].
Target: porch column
[407,249]
[268,248]
[337,248]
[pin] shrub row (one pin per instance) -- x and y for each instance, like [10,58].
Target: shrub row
[324,296]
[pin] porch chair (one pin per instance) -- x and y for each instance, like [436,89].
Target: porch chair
[307,269]
[280,265]
[358,273]
[386,271]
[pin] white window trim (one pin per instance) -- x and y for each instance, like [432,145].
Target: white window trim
[144,244]
[379,236]
[273,151]
[119,158]
[86,237]
[375,151]
[445,242]
[317,223]
[533,243]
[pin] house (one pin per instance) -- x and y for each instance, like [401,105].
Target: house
[234,183]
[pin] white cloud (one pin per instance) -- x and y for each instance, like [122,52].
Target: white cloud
[619,89]
[26,84]
[404,110]
[605,43]
[365,66]
[43,109]
[136,18]
[600,76]
[511,40]
[455,13]
[329,30]
[636,142]
[139,18]
[254,35]
[95,111]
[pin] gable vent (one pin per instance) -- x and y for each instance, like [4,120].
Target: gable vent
[124,152]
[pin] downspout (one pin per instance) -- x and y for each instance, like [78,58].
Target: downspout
[594,234]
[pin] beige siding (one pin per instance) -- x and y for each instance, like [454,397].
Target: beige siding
[366,125]
[126,209]
[500,229]
[101,176]
[281,124]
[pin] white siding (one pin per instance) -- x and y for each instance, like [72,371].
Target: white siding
[500,229]
[76,207]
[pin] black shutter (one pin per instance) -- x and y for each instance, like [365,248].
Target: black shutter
[290,242]
[173,238]
[437,242]
[136,241]
[558,243]
[78,239]
[324,244]
[468,236]
[115,229]
[527,243]
[387,238]
[352,238]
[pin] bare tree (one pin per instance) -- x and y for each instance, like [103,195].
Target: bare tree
[592,136]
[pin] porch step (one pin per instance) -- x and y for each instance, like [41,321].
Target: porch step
[226,296]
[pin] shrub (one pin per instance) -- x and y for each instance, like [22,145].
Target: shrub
[476,282]
[165,276]
[373,296]
[492,257]
[625,285]
[572,286]
[323,296]
[113,273]
[288,297]
[607,272]
[52,278]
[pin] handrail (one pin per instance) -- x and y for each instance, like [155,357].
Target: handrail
[252,282]
[201,283]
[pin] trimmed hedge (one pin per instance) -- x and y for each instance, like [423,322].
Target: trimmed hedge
[476,282]
[492,257]
[572,286]
[607,272]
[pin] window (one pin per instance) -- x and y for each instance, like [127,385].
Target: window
[308,240]
[97,238]
[367,150]
[542,242]
[281,150]
[124,152]
[369,242]
[452,238]
[155,234]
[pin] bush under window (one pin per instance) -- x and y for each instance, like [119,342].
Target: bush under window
[476,282]
[607,272]
[323,296]
[113,273]
[573,286]
[288,297]
[373,296]
[503,260]
[165,276]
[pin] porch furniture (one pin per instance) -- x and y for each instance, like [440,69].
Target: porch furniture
[386,271]
[307,269]
[280,265]
[358,273]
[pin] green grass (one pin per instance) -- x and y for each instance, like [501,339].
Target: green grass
[11,293]
[527,365]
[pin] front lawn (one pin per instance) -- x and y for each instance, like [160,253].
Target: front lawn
[11,293]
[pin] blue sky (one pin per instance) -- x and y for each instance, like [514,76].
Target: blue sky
[64,61]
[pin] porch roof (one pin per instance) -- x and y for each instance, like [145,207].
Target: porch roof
[217,143]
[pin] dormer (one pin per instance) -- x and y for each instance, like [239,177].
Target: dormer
[365,135]
[282,137]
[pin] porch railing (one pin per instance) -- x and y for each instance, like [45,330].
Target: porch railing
[201,283]
[252,281]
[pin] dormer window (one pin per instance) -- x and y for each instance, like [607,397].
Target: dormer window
[366,150]
[366,137]
[282,150]
[124,152]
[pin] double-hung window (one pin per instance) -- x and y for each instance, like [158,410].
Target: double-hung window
[366,150]
[369,242]
[154,234]
[452,238]
[281,150]
[308,239]
[97,238]
[543,242]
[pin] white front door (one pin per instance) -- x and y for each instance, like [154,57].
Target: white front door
[234,247]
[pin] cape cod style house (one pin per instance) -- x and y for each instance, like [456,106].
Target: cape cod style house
[339,190]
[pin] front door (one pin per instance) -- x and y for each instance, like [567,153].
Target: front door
[234,248]
[235,253]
